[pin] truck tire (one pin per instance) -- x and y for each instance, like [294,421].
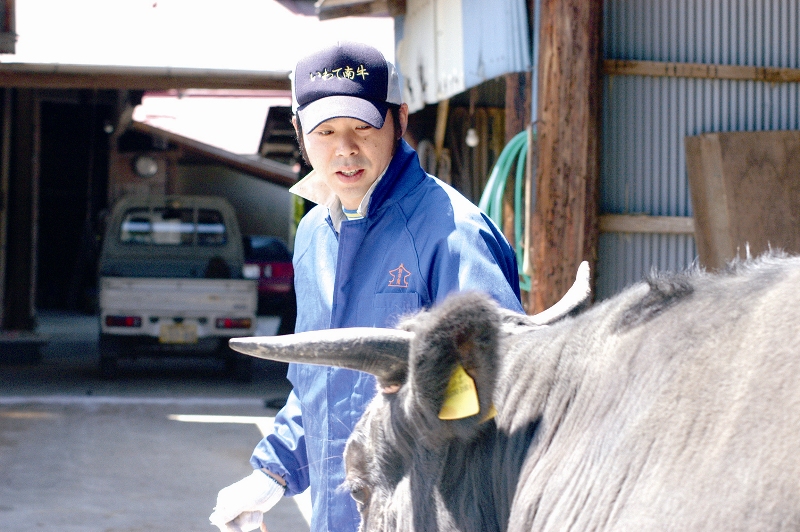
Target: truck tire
[108,368]
[109,353]
[237,365]
[240,368]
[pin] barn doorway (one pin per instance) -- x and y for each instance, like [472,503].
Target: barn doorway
[72,197]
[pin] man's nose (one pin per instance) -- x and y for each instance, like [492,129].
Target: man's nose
[347,145]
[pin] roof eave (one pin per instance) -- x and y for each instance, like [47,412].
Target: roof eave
[61,76]
[272,171]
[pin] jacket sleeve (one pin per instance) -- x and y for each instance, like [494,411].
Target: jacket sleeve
[283,452]
[477,257]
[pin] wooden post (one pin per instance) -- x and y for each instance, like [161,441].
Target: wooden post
[564,231]
[5,172]
[19,310]
[518,103]
[517,118]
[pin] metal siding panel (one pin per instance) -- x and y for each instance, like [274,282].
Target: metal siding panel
[459,44]
[637,257]
[416,54]
[451,53]
[495,39]
[645,120]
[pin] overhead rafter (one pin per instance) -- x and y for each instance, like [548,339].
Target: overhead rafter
[328,9]
[58,76]
[271,171]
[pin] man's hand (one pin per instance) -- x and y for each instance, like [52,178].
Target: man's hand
[241,505]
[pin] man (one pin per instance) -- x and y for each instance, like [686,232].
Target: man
[385,240]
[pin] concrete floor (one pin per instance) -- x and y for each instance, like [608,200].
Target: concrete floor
[146,451]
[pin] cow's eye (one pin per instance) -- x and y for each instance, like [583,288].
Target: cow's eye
[360,494]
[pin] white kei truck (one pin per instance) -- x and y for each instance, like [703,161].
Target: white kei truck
[171,283]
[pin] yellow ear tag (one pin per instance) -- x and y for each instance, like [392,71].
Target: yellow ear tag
[460,397]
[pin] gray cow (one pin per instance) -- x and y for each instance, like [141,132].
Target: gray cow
[672,406]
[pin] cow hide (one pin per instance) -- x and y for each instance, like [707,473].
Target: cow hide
[673,406]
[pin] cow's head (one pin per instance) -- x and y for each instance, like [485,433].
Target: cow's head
[436,374]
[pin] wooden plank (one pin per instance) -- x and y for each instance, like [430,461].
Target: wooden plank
[29,75]
[272,171]
[709,200]
[564,229]
[331,9]
[745,188]
[642,223]
[619,67]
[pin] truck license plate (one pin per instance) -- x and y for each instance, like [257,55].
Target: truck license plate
[178,333]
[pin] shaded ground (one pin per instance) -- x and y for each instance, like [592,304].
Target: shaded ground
[147,451]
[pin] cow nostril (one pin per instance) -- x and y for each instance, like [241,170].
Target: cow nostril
[390,389]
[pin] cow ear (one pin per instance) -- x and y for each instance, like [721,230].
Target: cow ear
[453,365]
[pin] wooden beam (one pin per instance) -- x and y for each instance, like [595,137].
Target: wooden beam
[272,171]
[330,9]
[619,67]
[564,230]
[56,76]
[19,311]
[642,223]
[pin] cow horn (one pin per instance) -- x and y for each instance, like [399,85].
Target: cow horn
[575,298]
[381,352]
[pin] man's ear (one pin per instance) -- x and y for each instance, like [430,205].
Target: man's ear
[300,142]
[403,115]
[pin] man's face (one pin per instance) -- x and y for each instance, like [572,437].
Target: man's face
[351,154]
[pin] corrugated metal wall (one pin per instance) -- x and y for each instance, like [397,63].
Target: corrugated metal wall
[645,119]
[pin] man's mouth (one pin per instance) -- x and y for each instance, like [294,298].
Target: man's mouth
[349,173]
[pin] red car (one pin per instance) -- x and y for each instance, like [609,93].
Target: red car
[267,259]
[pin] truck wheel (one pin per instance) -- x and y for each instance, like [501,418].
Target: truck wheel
[108,358]
[108,367]
[239,367]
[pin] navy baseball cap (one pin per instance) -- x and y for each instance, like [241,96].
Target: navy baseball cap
[349,79]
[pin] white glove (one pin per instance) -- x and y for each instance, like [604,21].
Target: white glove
[241,505]
[245,522]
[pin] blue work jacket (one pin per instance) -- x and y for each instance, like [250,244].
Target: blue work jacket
[419,241]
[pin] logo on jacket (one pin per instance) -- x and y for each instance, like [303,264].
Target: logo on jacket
[399,277]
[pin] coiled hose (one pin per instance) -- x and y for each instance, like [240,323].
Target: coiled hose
[491,201]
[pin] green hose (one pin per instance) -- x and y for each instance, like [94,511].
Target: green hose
[491,201]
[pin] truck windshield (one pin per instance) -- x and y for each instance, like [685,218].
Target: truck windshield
[169,226]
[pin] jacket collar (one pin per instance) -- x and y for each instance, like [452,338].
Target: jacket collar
[402,174]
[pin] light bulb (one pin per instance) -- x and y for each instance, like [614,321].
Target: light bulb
[472,139]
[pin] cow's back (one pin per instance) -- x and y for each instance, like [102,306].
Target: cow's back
[673,407]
